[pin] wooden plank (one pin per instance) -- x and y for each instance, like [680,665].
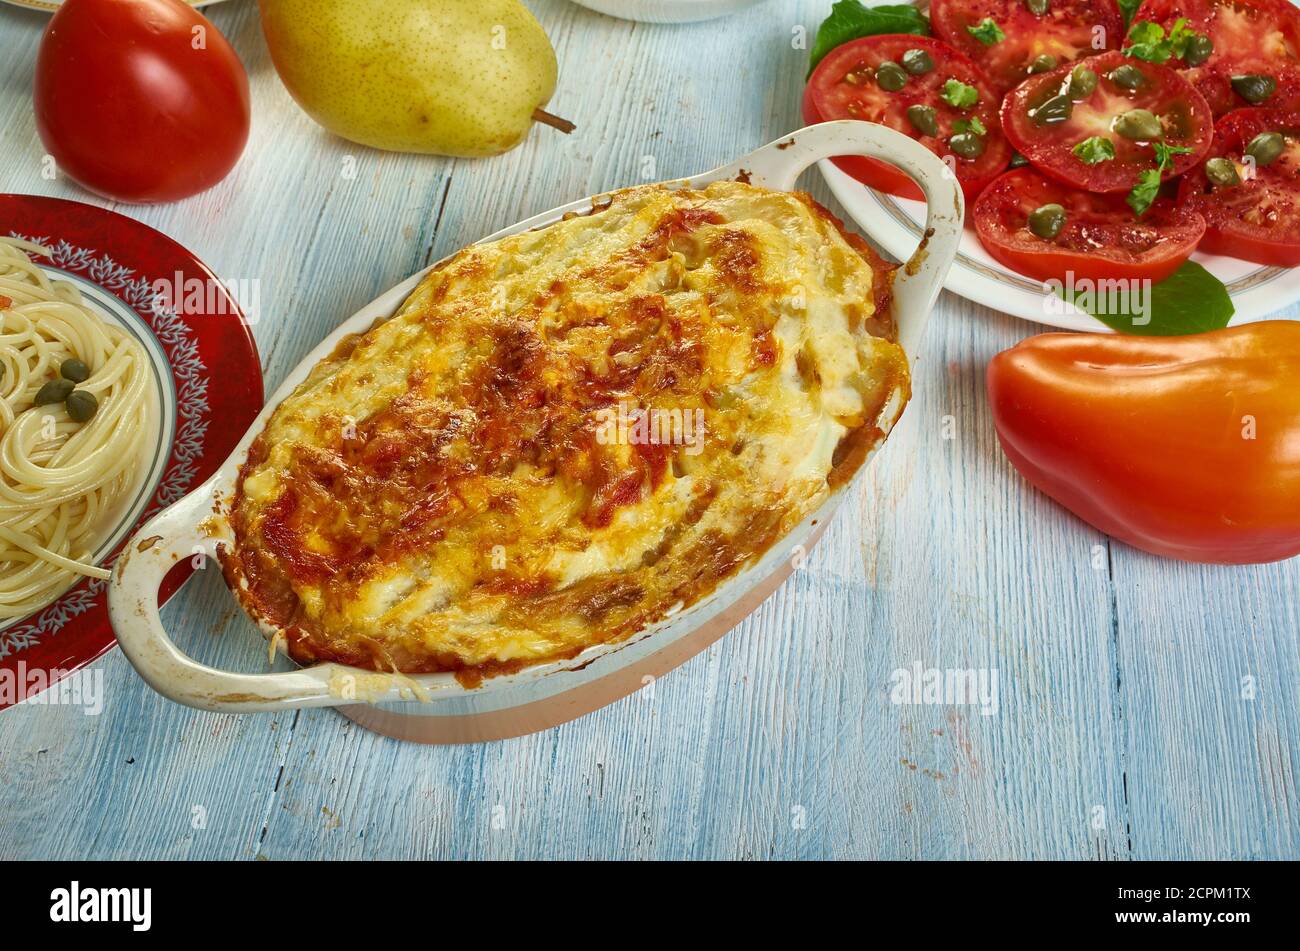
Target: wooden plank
[1207,660]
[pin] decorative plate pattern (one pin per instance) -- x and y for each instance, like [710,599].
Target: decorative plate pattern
[210,390]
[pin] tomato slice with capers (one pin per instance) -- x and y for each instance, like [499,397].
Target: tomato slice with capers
[1013,39]
[1046,230]
[922,88]
[1247,52]
[1248,190]
[1096,124]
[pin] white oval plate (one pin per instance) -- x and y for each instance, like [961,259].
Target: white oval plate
[895,223]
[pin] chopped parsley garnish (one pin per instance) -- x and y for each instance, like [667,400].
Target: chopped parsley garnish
[1148,183]
[1147,41]
[987,31]
[958,95]
[1165,153]
[1094,150]
[1145,191]
[972,124]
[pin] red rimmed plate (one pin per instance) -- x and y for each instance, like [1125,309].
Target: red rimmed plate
[209,381]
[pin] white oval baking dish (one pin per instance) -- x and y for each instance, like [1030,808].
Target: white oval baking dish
[436,707]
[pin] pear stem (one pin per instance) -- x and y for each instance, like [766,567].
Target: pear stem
[555,122]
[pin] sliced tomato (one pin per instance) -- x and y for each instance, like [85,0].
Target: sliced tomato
[1101,238]
[1185,120]
[1257,219]
[1068,30]
[843,86]
[1249,36]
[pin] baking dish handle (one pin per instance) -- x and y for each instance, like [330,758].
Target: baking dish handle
[174,534]
[917,284]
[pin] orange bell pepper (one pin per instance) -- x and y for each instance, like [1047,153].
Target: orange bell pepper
[1187,447]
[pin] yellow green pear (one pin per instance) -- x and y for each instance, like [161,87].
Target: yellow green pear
[451,77]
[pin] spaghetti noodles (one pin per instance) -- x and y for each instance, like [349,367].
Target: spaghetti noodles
[63,482]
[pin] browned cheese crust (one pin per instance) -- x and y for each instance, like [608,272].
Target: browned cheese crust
[566,435]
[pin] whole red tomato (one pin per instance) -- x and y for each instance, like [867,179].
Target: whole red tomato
[140,100]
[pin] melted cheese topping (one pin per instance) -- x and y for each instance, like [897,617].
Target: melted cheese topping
[565,434]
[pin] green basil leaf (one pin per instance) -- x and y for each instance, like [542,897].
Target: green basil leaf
[958,95]
[1128,8]
[850,20]
[987,31]
[1094,150]
[972,124]
[1189,301]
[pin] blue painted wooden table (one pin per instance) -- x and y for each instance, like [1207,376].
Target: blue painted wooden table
[1145,709]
